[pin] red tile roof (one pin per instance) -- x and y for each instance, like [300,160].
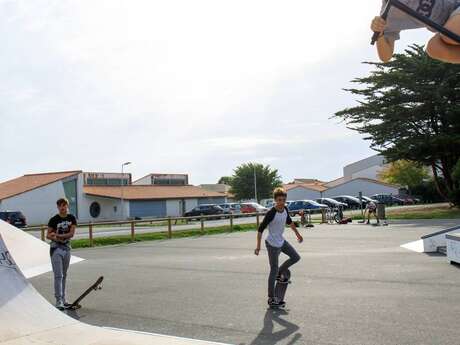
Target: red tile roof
[146,192]
[31,181]
[313,186]
[323,186]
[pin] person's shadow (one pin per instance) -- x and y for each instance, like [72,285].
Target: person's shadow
[267,336]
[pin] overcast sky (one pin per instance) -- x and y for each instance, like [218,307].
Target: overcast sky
[181,86]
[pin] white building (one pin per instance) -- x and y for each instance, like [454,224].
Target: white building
[368,168]
[353,186]
[98,196]
[163,179]
[361,176]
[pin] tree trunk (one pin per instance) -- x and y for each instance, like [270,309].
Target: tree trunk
[437,183]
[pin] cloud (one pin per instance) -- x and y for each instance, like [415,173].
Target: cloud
[176,85]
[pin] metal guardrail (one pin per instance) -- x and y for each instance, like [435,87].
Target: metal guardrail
[132,223]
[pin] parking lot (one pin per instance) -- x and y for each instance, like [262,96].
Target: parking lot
[354,285]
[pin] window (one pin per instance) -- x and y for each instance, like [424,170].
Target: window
[95,209]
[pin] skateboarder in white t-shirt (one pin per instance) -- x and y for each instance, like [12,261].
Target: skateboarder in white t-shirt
[276,220]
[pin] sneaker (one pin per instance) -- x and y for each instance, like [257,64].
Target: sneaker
[60,305]
[67,305]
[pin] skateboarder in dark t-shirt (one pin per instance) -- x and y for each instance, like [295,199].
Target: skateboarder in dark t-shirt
[61,228]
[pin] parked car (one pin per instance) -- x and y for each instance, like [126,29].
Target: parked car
[231,207]
[388,199]
[15,218]
[252,207]
[268,203]
[331,202]
[408,200]
[296,206]
[367,199]
[205,210]
[352,202]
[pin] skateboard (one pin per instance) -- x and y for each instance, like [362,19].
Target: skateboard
[281,288]
[96,286]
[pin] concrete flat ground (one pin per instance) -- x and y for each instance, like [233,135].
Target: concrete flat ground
[354,285]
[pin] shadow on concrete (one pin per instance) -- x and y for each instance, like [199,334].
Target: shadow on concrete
[435,254]
[73,314]
[268,336]
[455,265]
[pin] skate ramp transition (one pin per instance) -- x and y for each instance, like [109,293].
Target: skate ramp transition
[27,318]
[431,242]
[31,254]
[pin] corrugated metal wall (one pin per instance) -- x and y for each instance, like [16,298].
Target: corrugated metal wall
[147,208]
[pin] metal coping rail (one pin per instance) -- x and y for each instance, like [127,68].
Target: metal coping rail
[445,231]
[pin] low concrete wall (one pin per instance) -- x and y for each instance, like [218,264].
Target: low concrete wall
[453,247]
[431,242]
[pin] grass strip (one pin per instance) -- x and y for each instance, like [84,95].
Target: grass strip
[428,213]
[157,236]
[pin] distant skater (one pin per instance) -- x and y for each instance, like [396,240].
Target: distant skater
[371,208]
[276,220]
[61,228]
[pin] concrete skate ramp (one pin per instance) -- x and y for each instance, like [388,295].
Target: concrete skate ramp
[431,242]
[27,318]
[30,253]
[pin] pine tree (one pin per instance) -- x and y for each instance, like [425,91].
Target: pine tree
[409,109]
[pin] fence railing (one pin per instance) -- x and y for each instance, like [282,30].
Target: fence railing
[169,222]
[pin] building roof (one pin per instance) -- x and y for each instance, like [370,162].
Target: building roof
[343,180]
[308,181]
[147,192]
[338,181]
[322,186]
[312,186]
[30,182]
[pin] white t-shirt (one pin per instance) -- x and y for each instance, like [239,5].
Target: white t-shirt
[276,222]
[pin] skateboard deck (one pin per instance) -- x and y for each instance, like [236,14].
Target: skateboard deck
[281,288]
[96,286]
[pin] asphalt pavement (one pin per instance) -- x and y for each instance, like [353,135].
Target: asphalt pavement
[354,285]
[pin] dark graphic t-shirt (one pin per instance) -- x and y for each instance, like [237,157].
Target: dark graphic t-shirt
[62,226]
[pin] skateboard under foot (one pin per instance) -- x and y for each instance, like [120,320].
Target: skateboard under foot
[281,288]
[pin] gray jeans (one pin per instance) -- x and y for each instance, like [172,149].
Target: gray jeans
[273,258]
[60,259]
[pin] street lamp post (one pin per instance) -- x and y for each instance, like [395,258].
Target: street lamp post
[255,183]
[121,190]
